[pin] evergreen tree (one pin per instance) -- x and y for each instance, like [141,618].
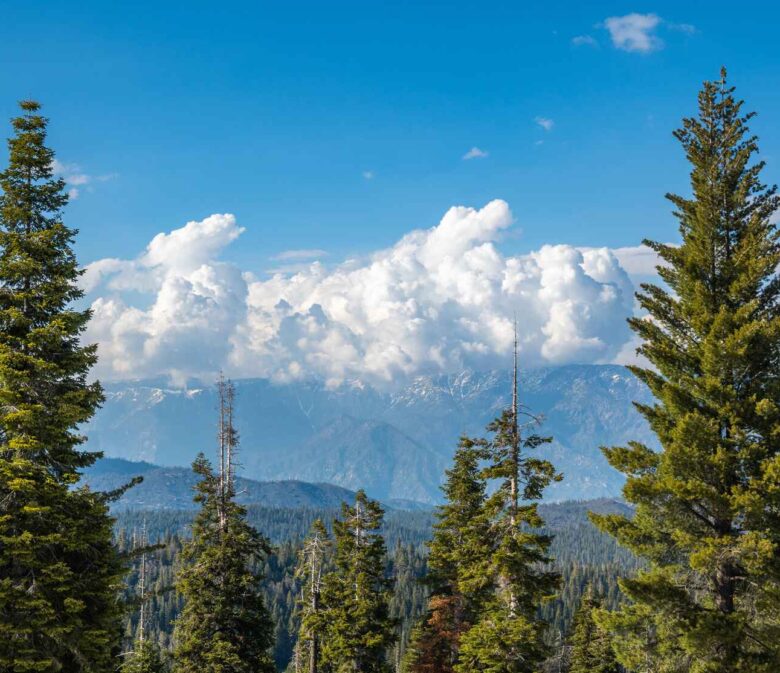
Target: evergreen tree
[357,593]
[591,649]
[707,504]
[312,559]
[508,635]
[145,658]
[224,626]
[59,571]
[458,565]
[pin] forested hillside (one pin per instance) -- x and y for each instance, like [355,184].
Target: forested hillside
[583,554]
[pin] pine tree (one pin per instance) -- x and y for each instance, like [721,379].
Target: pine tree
[356,594]
[707,504]
[59,571]
[309,573]
[145,656]
[224,626]
[509,634]
[458,564]
[591,649]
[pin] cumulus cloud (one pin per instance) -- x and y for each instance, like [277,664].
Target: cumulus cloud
[474,153]
[635,32]
[438,300]
[637,260]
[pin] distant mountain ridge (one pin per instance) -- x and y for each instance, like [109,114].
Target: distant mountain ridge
[173,488]
[394,444]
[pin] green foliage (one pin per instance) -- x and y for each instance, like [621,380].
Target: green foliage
[59,572]
[591,647]
[707,504]
[489,561]
[224,626]
[44,396]
[508,635]
[313,557]
[144,658]
[359,630]
[583,555]
[458,563]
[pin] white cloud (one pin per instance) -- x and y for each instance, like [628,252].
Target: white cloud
[638,260]
[584,41]
[75,178]
[304,254]
[635,32]
[545,123]
[368,175]
[438,300]
[474,153]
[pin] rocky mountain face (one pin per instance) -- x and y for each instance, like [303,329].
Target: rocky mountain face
[395,444]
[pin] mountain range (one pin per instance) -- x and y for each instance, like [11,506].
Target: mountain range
[395,444]
[173,488]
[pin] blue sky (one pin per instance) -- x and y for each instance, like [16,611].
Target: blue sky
[342,126]
[274,112]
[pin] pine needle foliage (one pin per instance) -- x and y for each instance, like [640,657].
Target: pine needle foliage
[145,658]
[59,571]
[313,559]
[591,646]
[357,593]
[708,504]
[458,566]
[508,636]
[224,626]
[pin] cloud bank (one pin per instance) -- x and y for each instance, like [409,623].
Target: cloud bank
[438,300]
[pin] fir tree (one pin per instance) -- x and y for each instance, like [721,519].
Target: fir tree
[508,635]
[591,648]
[310,574]
[707,504]
[59,571]
[145,658]
[458,564]
[224,626]
[357,593]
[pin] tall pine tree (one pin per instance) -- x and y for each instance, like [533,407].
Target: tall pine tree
[508,636]
[312,560]
[145,656]
[708,504]
[59,571]
[458,566]
[224,626]
[356,594]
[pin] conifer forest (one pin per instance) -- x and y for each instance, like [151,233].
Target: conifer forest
[679,575]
